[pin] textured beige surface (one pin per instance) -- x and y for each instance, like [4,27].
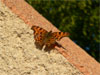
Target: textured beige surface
[18,54]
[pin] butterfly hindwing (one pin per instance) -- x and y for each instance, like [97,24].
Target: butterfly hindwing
[51,41]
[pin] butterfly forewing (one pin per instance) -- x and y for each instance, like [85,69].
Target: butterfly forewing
[39,34]
[59,35]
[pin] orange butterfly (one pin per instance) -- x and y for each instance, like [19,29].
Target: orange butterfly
[43,37]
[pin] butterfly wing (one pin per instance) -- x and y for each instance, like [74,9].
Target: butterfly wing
[39,34]
[55,36]
[59,35]
[50,41]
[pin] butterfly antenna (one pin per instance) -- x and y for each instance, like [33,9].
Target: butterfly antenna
[50,31]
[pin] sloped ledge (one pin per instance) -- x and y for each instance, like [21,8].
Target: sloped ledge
[73,53]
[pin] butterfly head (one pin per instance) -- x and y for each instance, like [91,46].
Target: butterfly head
[48,34]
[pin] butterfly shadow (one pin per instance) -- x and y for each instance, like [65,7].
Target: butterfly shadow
[53,47]
[38,46]
[47,49]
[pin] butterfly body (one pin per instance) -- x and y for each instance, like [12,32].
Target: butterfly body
[43,37]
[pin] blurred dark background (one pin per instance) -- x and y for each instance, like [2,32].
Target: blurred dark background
[80,18]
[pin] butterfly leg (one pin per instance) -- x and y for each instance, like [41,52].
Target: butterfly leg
[44,46]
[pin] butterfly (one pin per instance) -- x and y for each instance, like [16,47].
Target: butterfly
[43,37]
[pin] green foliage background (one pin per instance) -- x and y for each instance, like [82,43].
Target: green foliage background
[80,18]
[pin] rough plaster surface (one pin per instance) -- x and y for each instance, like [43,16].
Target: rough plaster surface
[18,54]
